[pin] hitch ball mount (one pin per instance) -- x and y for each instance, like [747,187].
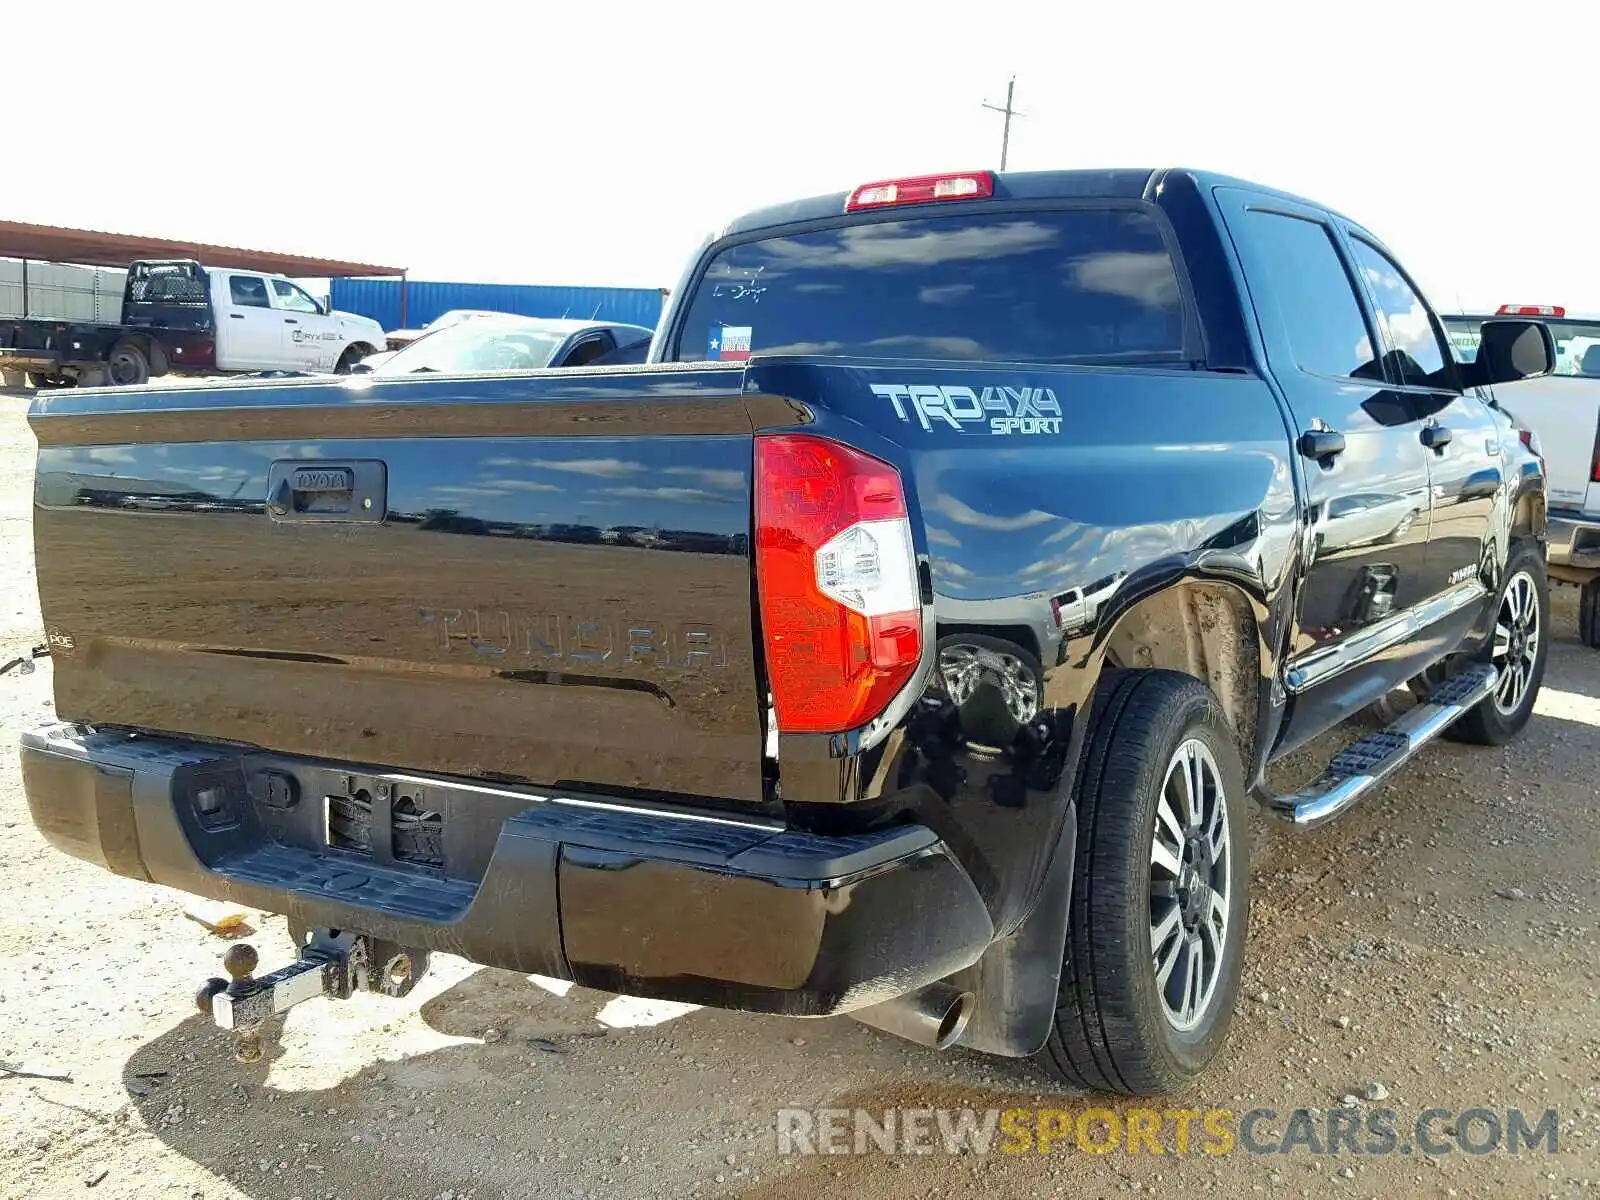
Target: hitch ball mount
[333,963]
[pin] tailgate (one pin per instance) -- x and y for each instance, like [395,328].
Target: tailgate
[543,578]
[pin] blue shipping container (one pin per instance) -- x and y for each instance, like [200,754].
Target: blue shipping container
[380,300]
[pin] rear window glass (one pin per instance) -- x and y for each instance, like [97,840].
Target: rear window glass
[156,283]
[1021,287]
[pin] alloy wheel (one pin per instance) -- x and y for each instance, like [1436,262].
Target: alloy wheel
[1189,885]
[1516,642]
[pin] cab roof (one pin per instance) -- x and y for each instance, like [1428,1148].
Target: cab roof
[1125,183]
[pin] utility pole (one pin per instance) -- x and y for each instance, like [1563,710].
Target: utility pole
[1005,129]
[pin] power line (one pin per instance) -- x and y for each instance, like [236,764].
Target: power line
[1005,129]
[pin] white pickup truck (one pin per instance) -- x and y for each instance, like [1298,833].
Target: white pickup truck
[1563,412]
[175,316]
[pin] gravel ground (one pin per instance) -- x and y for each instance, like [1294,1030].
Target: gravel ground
[1438,942]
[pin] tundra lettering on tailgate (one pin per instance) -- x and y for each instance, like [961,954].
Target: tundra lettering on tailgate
[1000,410]
[666,645]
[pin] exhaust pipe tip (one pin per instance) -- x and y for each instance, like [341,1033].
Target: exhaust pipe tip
[935,1016]
[954,1022]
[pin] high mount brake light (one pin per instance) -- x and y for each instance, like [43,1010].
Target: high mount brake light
[1530,310]
[921,189]
[841,613]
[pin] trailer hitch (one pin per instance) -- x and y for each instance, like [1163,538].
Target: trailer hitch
[332,963]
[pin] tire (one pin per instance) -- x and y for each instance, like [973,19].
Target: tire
[1116,1028]
[353,354]
[1500,716]
[127,365]
[1589,614]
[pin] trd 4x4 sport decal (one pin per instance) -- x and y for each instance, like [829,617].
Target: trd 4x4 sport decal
[1000,411]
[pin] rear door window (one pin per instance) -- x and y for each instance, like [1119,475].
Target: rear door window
[248,291]
[1316,299]
[1047,286]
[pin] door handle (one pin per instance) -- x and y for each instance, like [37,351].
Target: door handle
[1321,444]
[236,316]
[352,491]
[290,321]
[1436,437]
[597,859]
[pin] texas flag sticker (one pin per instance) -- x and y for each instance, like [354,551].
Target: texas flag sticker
[729,343]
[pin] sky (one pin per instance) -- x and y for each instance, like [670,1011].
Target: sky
[598,144]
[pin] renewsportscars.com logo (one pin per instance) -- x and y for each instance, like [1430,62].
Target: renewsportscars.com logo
[1376,1132]
[1000,411]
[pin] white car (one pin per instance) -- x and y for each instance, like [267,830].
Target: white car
[396,338]
[498,342]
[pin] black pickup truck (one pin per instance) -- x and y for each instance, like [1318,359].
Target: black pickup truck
[909,638]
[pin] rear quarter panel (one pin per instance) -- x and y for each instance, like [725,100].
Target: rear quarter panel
[1040,532]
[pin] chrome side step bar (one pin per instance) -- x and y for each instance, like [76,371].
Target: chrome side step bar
[1365,763]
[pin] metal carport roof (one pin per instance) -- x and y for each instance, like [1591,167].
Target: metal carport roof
[95,248]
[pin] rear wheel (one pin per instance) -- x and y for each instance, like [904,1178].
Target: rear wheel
[1156,933]
[1518,649]
[127,365]
[1589,614]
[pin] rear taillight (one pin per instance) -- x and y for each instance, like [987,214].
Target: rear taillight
[921,189]
[837,580]
[1530,440]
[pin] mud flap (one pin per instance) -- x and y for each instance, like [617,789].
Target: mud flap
[1017,978]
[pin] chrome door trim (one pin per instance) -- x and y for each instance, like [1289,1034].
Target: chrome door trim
[1323,664]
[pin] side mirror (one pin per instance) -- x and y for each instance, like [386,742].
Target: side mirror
[1512,350]
[326,304]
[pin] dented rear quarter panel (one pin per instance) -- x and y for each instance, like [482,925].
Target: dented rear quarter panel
[1039,538]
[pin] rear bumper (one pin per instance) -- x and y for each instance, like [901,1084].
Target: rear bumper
[1574,541]
[626,899]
